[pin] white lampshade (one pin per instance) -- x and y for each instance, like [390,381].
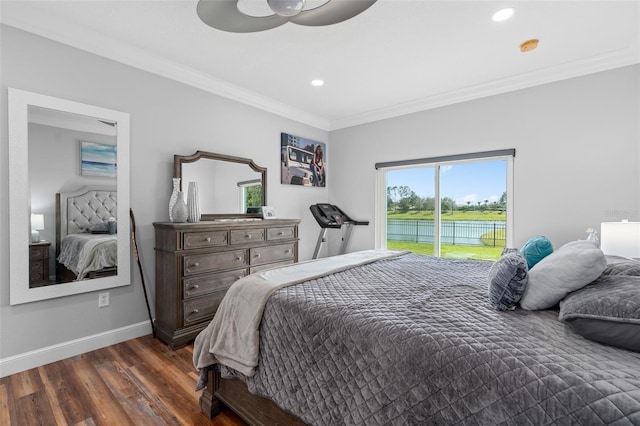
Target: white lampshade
[620,238]
[37,221]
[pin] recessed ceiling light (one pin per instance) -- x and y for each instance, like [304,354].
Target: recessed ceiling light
[317,83]
[503,14]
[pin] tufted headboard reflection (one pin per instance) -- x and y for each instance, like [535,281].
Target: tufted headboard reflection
[78,210]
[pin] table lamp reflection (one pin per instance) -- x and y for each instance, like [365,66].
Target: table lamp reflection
[37,224]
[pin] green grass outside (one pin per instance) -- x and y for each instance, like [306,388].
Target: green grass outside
[491,215]
[449,250]
[486,252]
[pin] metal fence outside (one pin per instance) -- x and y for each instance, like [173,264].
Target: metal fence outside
[467,232]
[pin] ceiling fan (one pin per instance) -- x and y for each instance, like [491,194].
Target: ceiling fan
[247,16]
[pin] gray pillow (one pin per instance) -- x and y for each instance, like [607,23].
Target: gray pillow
[99,228]
[507,280]
[607,311]
[567,269]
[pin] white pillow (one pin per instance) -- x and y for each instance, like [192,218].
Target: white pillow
[567,269]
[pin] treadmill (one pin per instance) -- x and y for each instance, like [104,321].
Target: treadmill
[330,216]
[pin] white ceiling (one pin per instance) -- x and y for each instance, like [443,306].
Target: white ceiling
[397,57]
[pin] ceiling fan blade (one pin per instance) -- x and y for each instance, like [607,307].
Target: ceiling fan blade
[224,15]
[331,13]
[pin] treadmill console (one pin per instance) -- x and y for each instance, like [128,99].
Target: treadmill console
[328,215]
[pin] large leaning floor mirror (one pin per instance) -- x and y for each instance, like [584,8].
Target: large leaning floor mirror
[69,197]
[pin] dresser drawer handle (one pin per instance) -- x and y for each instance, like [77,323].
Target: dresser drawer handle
[257,255]
[239,258]
[287,251]
[280,233]
[195,264]
[194,286]
[195,311]
[248,236]
[208,239]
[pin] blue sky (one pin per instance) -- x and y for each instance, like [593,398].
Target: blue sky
[477,181]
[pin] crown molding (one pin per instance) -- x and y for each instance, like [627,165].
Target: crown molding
[609,61]
[97,44]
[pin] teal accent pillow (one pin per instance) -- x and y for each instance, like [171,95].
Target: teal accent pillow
[536,249]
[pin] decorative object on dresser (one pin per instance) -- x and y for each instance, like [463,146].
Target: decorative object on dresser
[268,212]
[174,197]
[180,212]
[39,263]
[197,262]
[193,203]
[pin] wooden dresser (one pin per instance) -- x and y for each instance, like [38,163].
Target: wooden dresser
[197,262]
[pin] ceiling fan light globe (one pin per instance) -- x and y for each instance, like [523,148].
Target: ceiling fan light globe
[286,8]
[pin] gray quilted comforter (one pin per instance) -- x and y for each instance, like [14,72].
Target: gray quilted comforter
[414,341]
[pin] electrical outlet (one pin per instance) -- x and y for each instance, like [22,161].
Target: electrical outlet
[103,300]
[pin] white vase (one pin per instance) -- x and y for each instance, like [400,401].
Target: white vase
[174,197]
[193,203]
[179,212]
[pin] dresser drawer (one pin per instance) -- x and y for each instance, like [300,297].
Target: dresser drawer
[201,308]
[283,233]
[260,255]
[38,252]
[260,268]
[193,240]
[202,284]
[37,271]
[247,236]
[194,264]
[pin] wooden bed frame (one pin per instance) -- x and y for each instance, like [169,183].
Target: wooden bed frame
[64,274]
[253,409]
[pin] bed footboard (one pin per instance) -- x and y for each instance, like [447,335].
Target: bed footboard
[251,408]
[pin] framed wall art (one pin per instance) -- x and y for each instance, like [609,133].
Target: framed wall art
[98,159]
[303,161]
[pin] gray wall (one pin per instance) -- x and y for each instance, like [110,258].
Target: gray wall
[577,152]
[167,118]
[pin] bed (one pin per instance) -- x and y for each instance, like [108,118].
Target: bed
[399,338]
[85,246]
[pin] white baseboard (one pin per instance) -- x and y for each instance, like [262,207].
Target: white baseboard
[32,359]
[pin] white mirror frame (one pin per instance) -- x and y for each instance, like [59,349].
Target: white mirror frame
[19,198]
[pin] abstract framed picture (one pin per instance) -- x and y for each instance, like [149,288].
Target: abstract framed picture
[98,159]
[303,161]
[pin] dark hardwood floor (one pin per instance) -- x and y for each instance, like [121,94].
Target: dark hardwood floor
[138,382]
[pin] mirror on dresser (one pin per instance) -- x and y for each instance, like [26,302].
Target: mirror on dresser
[69,176]
[227,186]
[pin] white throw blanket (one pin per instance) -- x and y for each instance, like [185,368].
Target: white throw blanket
[232,338]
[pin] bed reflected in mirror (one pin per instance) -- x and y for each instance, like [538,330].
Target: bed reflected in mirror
[69,164]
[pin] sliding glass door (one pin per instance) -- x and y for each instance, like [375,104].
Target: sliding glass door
[454,209]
